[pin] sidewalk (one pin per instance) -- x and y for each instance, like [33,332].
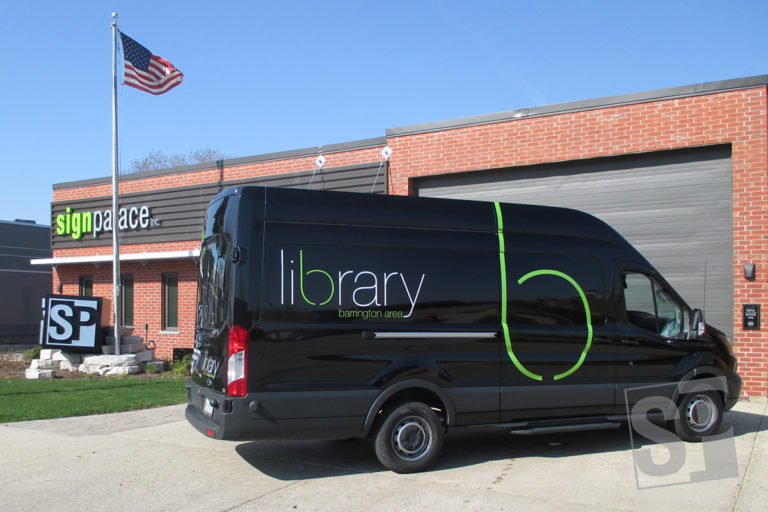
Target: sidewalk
[153,460]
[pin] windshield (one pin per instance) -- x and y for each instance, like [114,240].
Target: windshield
[214,283]
[670,313]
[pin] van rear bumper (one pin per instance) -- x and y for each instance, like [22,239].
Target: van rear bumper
[277,415]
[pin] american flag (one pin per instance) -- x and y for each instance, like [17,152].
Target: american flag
[146,71]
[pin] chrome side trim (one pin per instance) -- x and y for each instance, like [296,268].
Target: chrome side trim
[431,335]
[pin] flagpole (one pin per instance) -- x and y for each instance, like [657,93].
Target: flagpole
[115,245]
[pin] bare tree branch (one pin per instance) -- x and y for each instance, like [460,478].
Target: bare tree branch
[156,159]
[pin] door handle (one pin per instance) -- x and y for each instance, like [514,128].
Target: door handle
[602,340]
[629,341]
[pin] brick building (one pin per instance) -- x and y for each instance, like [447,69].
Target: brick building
[682,173]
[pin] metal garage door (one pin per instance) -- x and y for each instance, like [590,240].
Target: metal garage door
[675,207]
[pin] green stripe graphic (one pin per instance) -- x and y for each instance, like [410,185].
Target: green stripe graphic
[535,273]
[503,270]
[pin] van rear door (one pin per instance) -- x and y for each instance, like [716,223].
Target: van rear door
[213,313]
[215,295]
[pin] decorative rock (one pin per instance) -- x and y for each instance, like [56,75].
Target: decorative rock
[68,356]
[124,331]
[121,360]
[124,349]
[131,348]
[145,356]
[44,364]
[120,370]
[38,374]
[46,354]
[95,364]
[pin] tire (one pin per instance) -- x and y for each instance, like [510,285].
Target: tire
[698,415]
[409,438]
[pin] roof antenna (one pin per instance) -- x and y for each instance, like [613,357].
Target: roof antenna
[319,163]
[385,154]
[704,305]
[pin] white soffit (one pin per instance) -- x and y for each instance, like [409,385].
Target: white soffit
[131,256]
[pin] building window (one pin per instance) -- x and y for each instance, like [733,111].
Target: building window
[86,286]
[126,300]
[170,302]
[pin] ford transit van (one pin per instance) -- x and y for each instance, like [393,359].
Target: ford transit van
[340,315]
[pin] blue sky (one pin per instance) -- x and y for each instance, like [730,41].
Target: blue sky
[267,76]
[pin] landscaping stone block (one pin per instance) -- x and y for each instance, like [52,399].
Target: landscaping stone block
[120,370]
[44,364]
[46,354]
[106,360]
[124,331]
[124,349]
[70,357]
[95,364]
[38,374]
[145,356]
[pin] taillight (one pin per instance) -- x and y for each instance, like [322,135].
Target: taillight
[237,364]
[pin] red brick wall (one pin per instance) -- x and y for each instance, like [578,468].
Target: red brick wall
[147,297]
[738,118]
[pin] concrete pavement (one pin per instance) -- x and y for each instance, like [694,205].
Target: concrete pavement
[153,460]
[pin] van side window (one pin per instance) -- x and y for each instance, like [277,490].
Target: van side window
[638,300]
[650,307]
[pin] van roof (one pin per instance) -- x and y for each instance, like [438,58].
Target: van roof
[353,208]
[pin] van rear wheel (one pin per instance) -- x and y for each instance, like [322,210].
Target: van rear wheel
[409,438]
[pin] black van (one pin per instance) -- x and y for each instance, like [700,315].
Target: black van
[338,315]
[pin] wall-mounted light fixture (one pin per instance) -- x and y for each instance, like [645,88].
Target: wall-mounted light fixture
[749,271]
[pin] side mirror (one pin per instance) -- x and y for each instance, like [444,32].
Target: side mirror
[697,323]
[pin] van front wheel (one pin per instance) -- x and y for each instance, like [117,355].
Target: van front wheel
[698,415]
[409,438]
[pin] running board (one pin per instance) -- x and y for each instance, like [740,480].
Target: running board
[525,430]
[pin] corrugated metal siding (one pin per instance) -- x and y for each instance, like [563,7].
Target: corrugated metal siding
[22,285]
[675,207]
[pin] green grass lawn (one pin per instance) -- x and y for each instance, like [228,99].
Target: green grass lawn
[22,400]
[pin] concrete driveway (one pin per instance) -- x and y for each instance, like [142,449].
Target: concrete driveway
[153,460]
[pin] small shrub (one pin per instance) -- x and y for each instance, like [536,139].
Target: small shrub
[31,354]
[181,369]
